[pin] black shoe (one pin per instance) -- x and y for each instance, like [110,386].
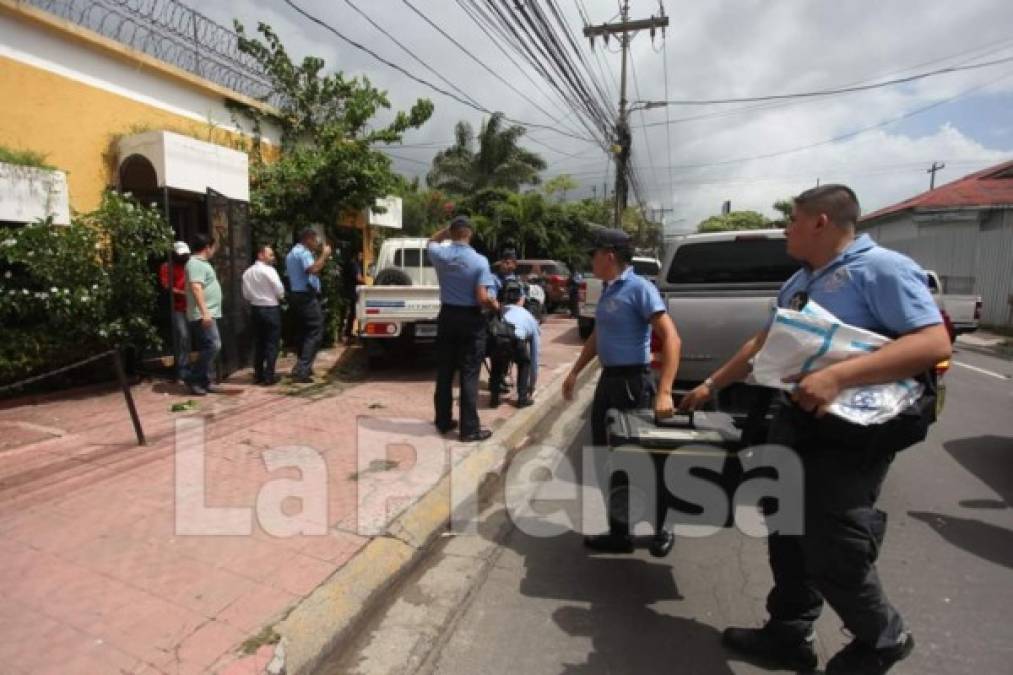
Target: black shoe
[524,403]
[661,544]
[302,379]
[859,659]
[494,400]
[213,389]
[476,436]
[447,429]
[609,543]
[197,390]
[776,650]
[258,379]
[270,381]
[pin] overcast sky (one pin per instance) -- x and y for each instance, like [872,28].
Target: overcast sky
[714,49]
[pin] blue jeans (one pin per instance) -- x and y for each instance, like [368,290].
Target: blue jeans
[208,343]
[180,344]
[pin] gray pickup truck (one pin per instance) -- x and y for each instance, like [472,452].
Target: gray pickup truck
[720,289]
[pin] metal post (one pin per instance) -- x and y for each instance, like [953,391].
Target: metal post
[122,377]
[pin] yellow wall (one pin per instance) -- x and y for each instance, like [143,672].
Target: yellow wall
[75,125]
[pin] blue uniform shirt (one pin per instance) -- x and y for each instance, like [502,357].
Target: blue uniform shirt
[526,326]
[460,270]
[623,319]
[297,262]
[870,287]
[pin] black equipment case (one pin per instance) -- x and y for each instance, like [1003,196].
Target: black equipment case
[709,437]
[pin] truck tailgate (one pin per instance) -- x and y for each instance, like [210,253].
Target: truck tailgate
[402,303]
[716,326]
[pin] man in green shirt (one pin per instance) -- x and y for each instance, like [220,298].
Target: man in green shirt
[203,309]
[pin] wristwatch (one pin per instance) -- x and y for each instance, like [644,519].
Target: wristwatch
[709,383]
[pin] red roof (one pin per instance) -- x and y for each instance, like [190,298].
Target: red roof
[990,187]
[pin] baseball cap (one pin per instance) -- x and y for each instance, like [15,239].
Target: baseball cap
[460,223]
[180,248]
[509,254]
[609,238]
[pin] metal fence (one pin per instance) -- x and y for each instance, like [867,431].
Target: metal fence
[171,32]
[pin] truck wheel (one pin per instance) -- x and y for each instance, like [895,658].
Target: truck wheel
[392,276]
[585,327]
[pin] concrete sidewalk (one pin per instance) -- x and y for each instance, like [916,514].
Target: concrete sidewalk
[94,577]
[986,342]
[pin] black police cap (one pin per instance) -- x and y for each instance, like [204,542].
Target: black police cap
[512,291]
[508,254]
[461,223]
[608,238]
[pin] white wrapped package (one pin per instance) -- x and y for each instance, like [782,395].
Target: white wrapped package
[813,338]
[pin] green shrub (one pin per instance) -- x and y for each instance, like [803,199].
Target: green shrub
[69,292]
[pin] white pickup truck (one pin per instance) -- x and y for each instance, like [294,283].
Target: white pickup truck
[399,310]
[964,310]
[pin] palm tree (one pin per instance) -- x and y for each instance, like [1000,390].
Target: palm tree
[499,162]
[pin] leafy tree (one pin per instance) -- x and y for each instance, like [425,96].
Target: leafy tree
[784,207]
[736,220]
[326,166]
[499,162]
[560,184]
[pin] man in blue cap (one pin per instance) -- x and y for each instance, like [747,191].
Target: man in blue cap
[464,278]
[630,308]
[833,560]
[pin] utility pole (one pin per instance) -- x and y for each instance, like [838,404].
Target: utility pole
[936,166]
[623,137]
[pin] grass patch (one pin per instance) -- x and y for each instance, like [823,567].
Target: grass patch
[267,636]
[24,158]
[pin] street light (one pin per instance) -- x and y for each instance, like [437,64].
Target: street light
[647,105]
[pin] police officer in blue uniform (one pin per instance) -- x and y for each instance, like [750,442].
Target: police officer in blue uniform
[499,361]
[465,279]
[629,309]
[523,349]
[874,288]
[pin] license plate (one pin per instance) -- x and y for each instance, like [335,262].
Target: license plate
[425,330]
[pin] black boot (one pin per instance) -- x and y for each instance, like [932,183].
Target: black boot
[770,646]
[859,659]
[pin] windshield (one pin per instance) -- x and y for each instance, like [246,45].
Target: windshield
[646,268]
[409,257]
[737,261]
[545,268]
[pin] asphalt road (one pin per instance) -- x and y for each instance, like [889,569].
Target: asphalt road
[542,605]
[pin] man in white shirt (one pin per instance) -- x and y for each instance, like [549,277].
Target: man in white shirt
[262,288]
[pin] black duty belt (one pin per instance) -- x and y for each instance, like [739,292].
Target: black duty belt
[461,308]
[619,371]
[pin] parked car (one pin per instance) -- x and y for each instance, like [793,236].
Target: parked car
[399,310]
[964,310]
[647,267]
[553,274]
[590,292]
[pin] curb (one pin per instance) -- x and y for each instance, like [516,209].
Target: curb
[333,613]
[995,352]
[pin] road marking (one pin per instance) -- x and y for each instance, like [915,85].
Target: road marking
[981,370]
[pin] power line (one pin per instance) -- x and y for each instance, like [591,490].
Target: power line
[477,20]
[668,126]
[479,61]
[323,24]
[408,51]
[842,90]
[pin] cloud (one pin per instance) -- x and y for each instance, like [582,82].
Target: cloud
[714,49]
